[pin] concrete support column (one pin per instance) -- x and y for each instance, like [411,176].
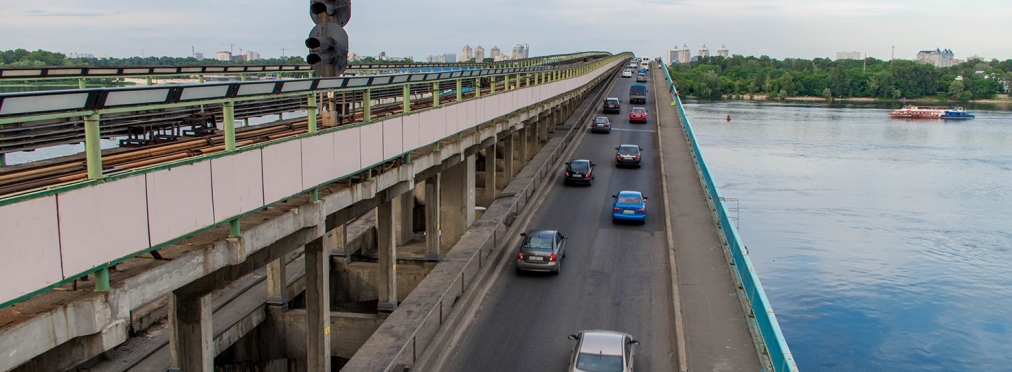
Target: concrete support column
[488,192]
[432,219]
[403,217]
[191,337]
[456,202]
[509,165]
[522,146]
[317,307]
[543,126]
[387,247]
[277,281]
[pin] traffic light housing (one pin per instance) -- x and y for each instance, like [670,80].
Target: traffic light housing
[328,42]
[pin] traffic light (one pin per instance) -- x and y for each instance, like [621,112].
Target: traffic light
[328,42]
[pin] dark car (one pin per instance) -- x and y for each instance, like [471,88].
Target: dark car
[612,105]
[628,155]
[601,124]
[579,171]
[542,250]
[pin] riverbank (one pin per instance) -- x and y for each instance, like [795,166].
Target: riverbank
[934,101]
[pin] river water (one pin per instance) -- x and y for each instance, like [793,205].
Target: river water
[883,245]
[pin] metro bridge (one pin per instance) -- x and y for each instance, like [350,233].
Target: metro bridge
[373,234]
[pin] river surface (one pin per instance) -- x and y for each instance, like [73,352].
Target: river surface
[883,245]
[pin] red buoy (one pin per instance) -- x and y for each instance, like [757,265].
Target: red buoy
[729,118]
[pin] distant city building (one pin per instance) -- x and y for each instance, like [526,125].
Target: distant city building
[382,56]
[223,56]
[479,54]
[723,52]
[251,56]
[355,56]
[495,53]
[704,52]
[449,58]
[848,55]
[467,53]
[672,56]
[239,58]
[435,59]
[520,51]
[80,55]
[684,56]
[937,57]
[198,55]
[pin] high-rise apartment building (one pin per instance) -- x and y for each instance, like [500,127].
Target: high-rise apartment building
[684,56]
[704,52]
[848,55]
[479,54]
[466,54]
[723,52]
[672,56]
[223,55]
[495,53]
[937,57]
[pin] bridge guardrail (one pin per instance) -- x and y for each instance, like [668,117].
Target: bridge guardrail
[773,339]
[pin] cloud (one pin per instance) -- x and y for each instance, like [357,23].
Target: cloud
[46,13]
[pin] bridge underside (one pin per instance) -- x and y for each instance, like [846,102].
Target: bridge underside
[314,278]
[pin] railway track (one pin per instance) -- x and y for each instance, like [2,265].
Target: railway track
[29,177]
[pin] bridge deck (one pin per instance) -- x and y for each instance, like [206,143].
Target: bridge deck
[716,332]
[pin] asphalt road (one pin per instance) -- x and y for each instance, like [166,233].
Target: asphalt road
[613,277]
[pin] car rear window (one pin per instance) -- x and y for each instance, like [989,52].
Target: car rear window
[639,110]
[629,200]
[601,120]
[628,150]
[579,167]
[539,243]
[611,100]
[599,362]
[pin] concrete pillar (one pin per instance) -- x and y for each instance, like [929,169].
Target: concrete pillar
[432,219]
[456,203]
[387,247]
[489,191]
[277,281]
[191,337]
[317,307]
[404,208]
[509,147]
[522,146]
[339,240]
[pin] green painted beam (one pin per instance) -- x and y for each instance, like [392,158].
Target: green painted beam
[228,114]
[93,146]
[311,112]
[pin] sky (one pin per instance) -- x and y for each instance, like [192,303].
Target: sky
[777,28]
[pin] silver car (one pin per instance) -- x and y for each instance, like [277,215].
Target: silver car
[541,250]
[602,351]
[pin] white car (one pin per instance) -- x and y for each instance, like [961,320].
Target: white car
[627,74]
[602,351]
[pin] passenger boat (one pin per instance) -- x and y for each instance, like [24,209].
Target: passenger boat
[957,115]
[921,112]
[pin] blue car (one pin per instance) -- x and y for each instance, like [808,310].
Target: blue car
[629,206]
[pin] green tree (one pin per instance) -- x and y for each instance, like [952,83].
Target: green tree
[956,89]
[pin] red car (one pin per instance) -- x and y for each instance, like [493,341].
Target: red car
[638,115]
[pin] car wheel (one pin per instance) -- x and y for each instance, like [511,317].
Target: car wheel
[519,271]
[558,268]
[565,182]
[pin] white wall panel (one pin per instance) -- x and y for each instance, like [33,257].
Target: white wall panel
[237,184]
[30,247]
[318,160]
[470,116]
[393,133]
[347,148]
[372,144]
[102,223]
[426,130]
[440,117]
[179,201]
[451,117]
[410,135]
[282,170]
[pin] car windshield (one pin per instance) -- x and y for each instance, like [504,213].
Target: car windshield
[539,243]
[628,150]
[599,362]
[601,120]
[629,199]
[579,166]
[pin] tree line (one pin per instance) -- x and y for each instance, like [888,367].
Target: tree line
[717,77]
[40,58]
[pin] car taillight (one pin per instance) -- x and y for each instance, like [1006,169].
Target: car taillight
[619,157]
[641,210]
[567,174]
[552,259]
[617,209]
[520,256]
[637,157]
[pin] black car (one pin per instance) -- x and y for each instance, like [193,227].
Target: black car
[628,155]
[612,105]
[600,124]
[579,171]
